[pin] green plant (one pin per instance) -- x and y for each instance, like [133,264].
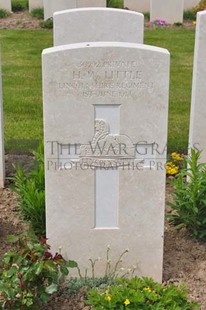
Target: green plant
[48,24]
[189,15]
[112,271]
[19,5]
[189,197]
[4,13]
[147,16]
[74,285]
[137,293]
[38,13]
[29,273]
[115,3]
[178,24]
[200,7]
[30,187]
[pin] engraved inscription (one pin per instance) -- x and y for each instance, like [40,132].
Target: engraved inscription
[106,149]
[107,79]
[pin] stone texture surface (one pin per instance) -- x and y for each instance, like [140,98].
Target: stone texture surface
[197,135]
[91,3]
[171,10]
[6,5]
[88,25]
[33,4]
[52,6]
[138,5]
[144,5]
[2,160]
[82,83]
[189,4]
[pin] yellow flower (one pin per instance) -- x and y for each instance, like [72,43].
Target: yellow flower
[194,22]
[176,156]
[127,302]
[171,168]
[147,289]
[108,298]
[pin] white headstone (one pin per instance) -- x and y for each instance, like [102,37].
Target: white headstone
[197,135]
[52,6]
[105,125]
[144,5]
[91,3]
[137,5]
[189,4]
[6,5]
[88,25]
[170,10]
[2,160]
[34,4]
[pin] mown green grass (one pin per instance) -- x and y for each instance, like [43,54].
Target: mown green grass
[22,83]
[180,43]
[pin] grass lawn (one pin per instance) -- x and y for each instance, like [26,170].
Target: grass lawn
[180,43]
[22,85]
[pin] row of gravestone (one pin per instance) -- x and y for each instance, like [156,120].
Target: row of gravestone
[105,98]
[170,10]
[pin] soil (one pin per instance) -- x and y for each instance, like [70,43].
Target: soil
[19,20]
[184,257]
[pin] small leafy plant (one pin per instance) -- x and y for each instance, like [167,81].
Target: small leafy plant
[178,24]
[30,187]
[19,5]
[115,3]
[4,13]
[29,273]
[147,16]
[48,24]
[189,15]
[112,271]
[38,13]
[189,197]
[140,293]
[74,285]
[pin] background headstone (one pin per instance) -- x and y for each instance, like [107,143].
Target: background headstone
[52,6]
[2,160]
[91,3]
[144,5]
[189,4]
[197,135]
[105,105]
[6,5]
[88,25]
[171,10]
[138,5]
[33,4]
